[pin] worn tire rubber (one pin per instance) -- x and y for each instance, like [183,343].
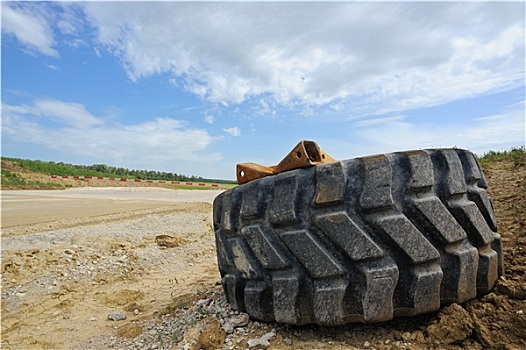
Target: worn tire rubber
[360,240]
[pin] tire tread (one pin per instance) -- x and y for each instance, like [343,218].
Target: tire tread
[361,240]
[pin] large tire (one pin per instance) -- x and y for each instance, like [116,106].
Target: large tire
[361,240]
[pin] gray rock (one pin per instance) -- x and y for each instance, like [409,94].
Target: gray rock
[240,320]
[117,316]
[228,327]
[263,341]
[202,302]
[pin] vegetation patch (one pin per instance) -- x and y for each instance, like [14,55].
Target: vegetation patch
[20,174]
[65,169]
[517,154]
[9,179]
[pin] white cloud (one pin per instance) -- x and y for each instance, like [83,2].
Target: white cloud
[67,113]
[378,121]
[68,20]
[29,26]
[264,107]
[364,57]
[492,132]
[209,119]
[69,127]
[76,43]
[234,131]
[52,67]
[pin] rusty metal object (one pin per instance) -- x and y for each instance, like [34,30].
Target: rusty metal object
[305,154]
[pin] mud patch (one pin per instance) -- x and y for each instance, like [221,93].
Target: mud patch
[211,337]
[130,330]
[167,241]
[453,325]
[119,298]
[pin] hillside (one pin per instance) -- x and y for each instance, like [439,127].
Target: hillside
[35,174]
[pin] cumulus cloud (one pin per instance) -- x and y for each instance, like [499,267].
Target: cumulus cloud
[364,57]
[69,127]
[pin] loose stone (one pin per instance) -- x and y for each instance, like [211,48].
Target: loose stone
[117,316]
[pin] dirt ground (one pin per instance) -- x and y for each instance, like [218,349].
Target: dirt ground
[69,281]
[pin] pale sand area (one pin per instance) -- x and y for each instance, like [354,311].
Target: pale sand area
[22,207]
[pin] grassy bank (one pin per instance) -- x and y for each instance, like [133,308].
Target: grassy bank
[11,180]
[13,168]
[516,154]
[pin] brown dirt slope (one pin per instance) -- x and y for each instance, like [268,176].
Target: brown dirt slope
[45,182]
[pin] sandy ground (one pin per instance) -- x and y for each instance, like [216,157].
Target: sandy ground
[21,207]
[73,259]
[70,258]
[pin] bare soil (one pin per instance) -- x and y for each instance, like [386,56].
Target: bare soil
[63,278]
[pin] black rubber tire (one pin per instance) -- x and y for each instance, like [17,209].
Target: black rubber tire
[361,240]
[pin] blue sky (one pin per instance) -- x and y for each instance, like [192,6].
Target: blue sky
[195,88]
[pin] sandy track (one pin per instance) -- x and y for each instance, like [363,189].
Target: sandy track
[70,258]
[22,207]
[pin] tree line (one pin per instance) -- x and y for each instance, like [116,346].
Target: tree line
[66,169]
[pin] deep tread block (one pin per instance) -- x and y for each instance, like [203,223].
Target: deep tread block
[380,283]
[250,204]
[476,187]
[377,188]
[313,256]
[407,238]
[224,260]
[419,292]
[329,302]
[473,222]
[228,214]
[437,220]
[291,301]
[234,287]
[283,205]
[259,300]
[330,184]
[348,236]
[246,264]
[268,255]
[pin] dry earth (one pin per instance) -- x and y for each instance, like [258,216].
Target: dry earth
[69,279]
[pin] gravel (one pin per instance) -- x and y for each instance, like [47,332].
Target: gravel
[168,331]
